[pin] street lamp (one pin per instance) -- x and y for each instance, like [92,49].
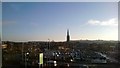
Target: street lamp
[22,51]
[48,44]
[48,47]
[25,59]
[71,60]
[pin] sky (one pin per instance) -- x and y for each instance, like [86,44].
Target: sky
[60,1]
[0,20]
[40,21]
[118,20]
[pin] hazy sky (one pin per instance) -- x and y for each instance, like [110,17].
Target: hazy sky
[25,21]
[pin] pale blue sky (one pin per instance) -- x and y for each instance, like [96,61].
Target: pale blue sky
[60,0]
[39,21]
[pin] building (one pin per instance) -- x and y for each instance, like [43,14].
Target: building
[68,36]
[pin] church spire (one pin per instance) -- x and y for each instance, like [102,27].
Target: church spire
[67,31]
[68,36]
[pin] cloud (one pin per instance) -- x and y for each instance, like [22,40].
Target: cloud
[110,22]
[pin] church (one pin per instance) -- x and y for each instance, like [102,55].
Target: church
[68,36]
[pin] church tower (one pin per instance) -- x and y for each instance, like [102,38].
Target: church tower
[68,36]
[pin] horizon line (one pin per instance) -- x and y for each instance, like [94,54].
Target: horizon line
[59,40]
